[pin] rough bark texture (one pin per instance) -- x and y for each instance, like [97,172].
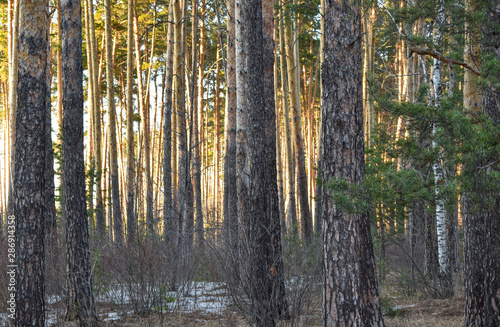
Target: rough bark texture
[230,200]
[13,82]
[261,264]
[131,221]
[474,217]
[113,153]
[491,107]
[29,179]
[168,209]
[80,301]
[350,288]
[279,302]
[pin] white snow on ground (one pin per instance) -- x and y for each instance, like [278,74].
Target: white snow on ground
[204,297]
[399,307]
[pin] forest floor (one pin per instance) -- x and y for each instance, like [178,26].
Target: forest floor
[401,312]
[406,313]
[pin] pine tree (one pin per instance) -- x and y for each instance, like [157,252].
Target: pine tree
[350,287]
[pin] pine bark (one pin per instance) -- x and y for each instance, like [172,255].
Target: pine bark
[258,212]
[230,194]
[169,223]
[474,222]
[80,301]
[13,81]
[30,163]
[131,221]
[492,109]
[350,288]
[113,152]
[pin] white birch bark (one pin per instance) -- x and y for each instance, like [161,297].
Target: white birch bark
[443,258]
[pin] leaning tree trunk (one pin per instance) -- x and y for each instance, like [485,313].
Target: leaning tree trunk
[80,301]
[29,191]
[350,288]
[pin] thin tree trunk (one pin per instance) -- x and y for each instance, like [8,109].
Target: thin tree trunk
[168,210]
[79,301]
[230,193]
[13,79]
[195,136]
[293,81]
[115,185]
[290,170]
[99,209]
[131,221]
[49,192]
[443,258]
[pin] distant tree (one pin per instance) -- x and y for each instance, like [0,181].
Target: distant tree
[113,156]
[230,200]
[131,221]
[80,300]
[29,171]
[350,288]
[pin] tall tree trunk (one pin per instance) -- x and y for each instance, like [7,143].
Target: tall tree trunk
[230,194]
[293,81]
[350,288]
[217,125]
[30,164]
[290,168]
[169,223]
[258,211]
[443,258]
[49,193]
[492,109]
[13,79]
[195,135]
[131,220]
[184,186]
[115,185]
[474,218]
[95,73]
[80,301]
[91,104]
[279,304]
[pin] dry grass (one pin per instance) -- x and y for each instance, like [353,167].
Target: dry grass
[413,313]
